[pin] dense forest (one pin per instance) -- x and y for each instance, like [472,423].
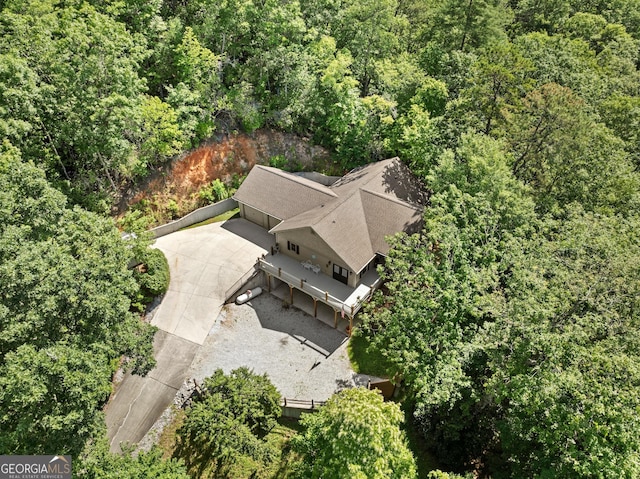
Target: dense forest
[512,319]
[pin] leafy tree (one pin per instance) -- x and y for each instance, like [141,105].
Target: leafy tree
[499,80]
[509,330]
[566,156]
[65,317]
[416,140]
[161,136]
[49,397]
[621,113]
[586,26]
[97,462]
[440,285]
[87,64]
[432,95]
[188,76]
[469,24]
[550,16]
[539,15]
[140,16]
[234,412]
[450,67]
[20,95]
[625,12]
[337,109]
[616,50]
[368,29]
[64,271]
[564,354]
[400,78]
[567,62]
[246,35]
[356,434]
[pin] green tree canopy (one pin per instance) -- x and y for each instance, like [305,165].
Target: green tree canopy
[97,462]
[468,24]
[65,317]
[566,155]
[229,420]
[514,333]
[563,355]
[355,434]
[87,64]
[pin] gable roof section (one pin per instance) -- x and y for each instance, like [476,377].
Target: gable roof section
[343,227]
[386,216]
[371,202]
[281,194]
[390,178]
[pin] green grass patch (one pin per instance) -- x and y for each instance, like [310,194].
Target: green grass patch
[167,440]
[365,359]
[227,215]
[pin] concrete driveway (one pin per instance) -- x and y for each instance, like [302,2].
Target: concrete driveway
[204,262]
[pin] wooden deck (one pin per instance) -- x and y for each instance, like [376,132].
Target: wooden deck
[343,300]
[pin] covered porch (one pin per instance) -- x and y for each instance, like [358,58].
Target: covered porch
[344,302]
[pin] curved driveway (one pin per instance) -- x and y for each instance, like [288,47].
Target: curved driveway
[204,263]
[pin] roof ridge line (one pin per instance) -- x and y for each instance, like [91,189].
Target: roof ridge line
[373,164]
[393,199]
[367,223]
[335,203]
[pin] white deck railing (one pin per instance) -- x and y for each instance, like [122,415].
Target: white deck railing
[303,285]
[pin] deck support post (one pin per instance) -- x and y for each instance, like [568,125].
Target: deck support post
[290,294]
[315,307]
[335,318]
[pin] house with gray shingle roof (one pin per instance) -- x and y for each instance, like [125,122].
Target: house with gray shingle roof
[336,232]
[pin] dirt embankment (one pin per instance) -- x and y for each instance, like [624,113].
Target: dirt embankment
[173,190]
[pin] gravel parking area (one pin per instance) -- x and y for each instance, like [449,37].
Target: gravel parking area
[303,357]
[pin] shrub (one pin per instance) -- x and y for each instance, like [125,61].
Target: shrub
[214,192]
[173,209]
[279,161]
[152,276]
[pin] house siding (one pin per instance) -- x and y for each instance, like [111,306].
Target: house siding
[369,266]
[311,245]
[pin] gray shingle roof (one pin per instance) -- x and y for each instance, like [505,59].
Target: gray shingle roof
[281,194]
[353,216]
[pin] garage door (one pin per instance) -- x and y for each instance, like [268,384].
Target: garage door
[255,216]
